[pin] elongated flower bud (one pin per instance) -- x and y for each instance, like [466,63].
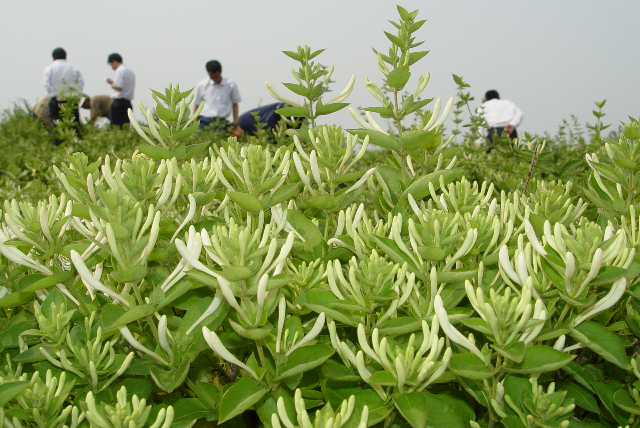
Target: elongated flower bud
[275,94]
[505,264]
[531,235]
[317,328]
[214,343]
[452,333]
[162,337]
[345,92]
[617,290]
[444,114]
[356,116]
[126,334]
[85,274]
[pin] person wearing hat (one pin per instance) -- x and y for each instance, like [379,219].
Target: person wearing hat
[62,80]
[123,85]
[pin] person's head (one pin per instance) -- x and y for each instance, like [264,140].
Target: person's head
[214,69]
[114,60]
[492,95]
[59,53]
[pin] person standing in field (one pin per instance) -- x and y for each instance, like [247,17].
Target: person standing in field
[501,115]
[123,85]
[221,98]
[61,80]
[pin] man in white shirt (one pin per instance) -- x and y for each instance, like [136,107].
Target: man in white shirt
[61,80]
[221,98]
[501,115]
[123,85]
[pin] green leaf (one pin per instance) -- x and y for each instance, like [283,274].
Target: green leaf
[607,275]
[623,400]
[246,201]
[156,152]
[298,89]
[603,342]
[398,77]
[16,299]
[382,378]
[236,273]
[187,410]
[378,408]
[440,414]
[323,301]
[376,137]
[582,397]
[514,352]
[606,394]
[241,396]
[309,231]
[417,56]
[420,188]
[470,366]
[324,202]
[50,281]
[330,108]
[540,359]
[114,316]
[399,326]
[292,55]
[431,253]
[166,114]
[416,139]
[293,111]
[168,380]
[413,407]
[395,40]
[130,274]
[10,390]
[186,132]
[304,359]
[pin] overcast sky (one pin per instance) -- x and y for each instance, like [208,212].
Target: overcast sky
[553,58]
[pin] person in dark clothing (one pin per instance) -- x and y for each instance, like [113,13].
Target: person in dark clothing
[267,117]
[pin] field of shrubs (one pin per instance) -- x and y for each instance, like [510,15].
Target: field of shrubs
[160,276]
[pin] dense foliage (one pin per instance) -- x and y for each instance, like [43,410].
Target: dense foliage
[202,281]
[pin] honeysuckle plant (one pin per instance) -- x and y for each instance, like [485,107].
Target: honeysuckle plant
[311,284]
[312,78]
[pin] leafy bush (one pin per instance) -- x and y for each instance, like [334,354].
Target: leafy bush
[306,284]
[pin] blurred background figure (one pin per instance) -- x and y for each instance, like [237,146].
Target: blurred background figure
[62,80]
[501,115]
[123,85]
[221,98]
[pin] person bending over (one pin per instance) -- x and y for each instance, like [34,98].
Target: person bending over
[501,115]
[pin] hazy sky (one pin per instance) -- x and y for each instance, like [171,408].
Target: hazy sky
[553,58]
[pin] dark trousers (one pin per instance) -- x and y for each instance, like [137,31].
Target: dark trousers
[216,123]
[499,131]
[54,111]
[119,111]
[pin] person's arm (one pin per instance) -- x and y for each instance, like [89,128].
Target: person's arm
[237,131]
[48,84]
[235,112]
[79,81]
[517,117]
